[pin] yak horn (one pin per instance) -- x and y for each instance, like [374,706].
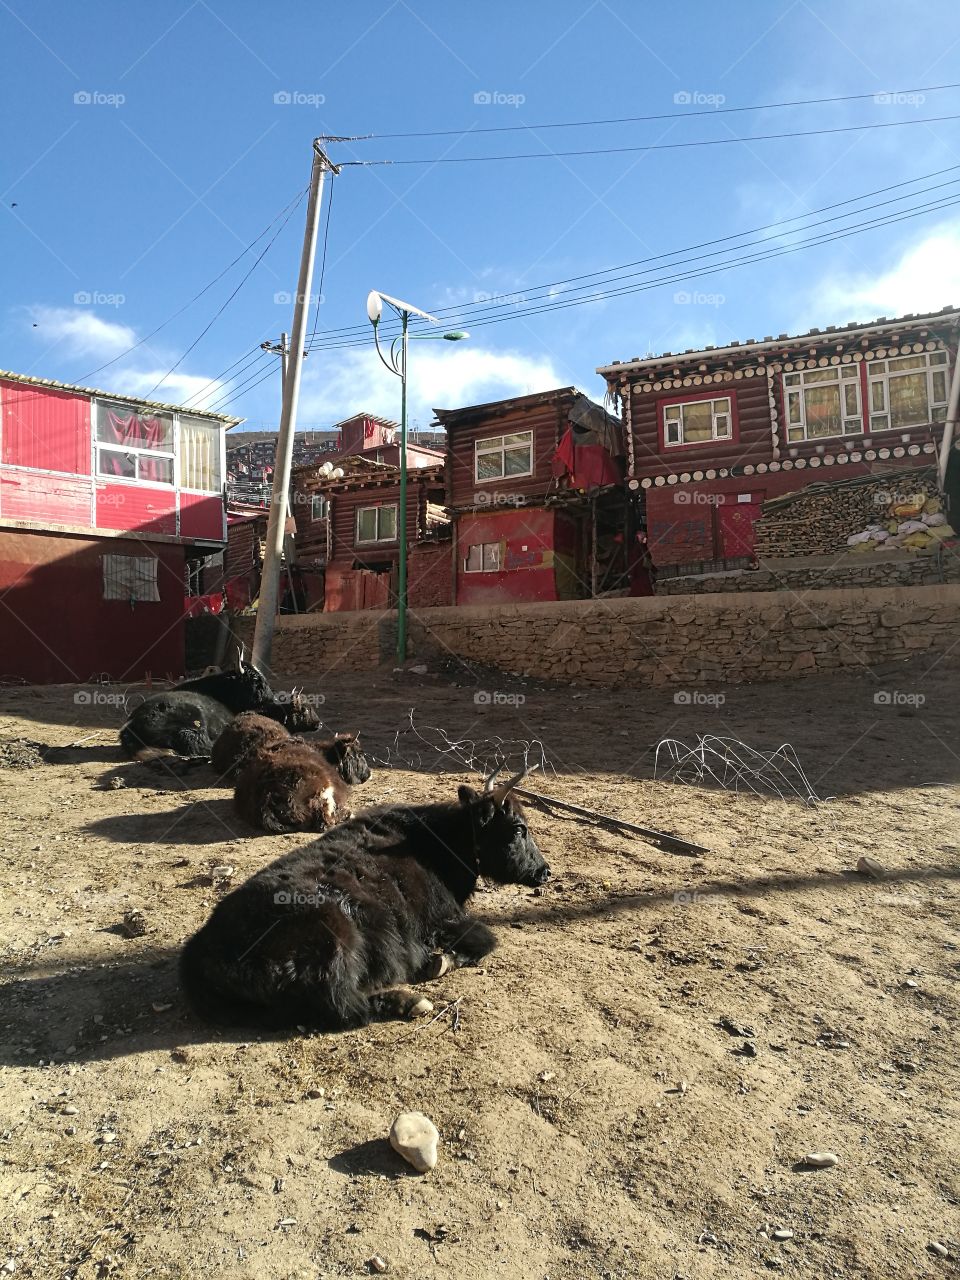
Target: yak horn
[488,782]
[499,794]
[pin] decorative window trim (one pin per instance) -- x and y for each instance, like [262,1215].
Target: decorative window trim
[488,551]
[793,386]
[880,376]
[371,542]
[672,402]
[490,446]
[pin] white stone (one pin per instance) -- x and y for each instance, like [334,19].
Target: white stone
[821,1159]
[415,1137]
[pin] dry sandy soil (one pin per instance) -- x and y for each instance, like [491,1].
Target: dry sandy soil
[598,1119]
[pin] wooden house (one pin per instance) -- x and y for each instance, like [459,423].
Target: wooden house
[348,527]
[534,489]
[108,506]
[712,433]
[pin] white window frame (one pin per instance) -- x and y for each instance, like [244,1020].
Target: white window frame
[881,373]
[491,446]
[316,498]
[371,542]
[171,453]
[493,548]
[795,405]
[673,418]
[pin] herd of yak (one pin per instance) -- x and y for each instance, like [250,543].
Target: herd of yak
[322,936]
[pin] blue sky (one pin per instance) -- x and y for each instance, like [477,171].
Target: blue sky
[147,145]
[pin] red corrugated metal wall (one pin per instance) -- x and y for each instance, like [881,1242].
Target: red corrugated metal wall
[45,428]
[56,627]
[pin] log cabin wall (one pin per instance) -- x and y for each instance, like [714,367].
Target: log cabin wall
[545,416]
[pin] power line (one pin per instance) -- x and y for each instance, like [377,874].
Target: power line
[666,115]
[467,311]
[197,296]
[220,310]
[323,260]
[658,146]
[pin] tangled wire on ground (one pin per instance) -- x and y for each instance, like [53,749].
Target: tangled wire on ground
[432,747]
[733,765]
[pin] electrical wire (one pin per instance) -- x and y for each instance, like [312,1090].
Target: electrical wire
[323,260]
[468,311]
[666,115]
[220,310]
[197,296]
[657,146]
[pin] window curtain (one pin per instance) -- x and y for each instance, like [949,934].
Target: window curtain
[132,431]
[199,456]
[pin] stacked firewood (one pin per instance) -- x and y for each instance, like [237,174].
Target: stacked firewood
[826,519]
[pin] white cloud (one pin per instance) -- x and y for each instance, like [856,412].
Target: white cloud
[444,376]
[82,332]
[926,278]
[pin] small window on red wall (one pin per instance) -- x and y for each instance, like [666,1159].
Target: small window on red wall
[483,557]
[697,421]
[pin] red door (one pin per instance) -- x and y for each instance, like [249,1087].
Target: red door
[735,522]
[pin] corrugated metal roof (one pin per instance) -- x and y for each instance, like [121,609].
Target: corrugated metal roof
[751,345]
[26,379]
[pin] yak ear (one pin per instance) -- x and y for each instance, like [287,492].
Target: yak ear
[346,737]
[467,795]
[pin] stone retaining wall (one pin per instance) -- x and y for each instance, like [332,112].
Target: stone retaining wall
[910,570]
[644,641]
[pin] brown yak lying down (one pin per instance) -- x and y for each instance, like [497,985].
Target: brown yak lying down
[246,734]
[293,786]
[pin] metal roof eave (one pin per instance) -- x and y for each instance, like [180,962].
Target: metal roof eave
[28,380]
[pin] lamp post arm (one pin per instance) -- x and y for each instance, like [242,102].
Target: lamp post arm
[387,364]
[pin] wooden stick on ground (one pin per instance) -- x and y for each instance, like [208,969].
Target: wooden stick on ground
[673,843]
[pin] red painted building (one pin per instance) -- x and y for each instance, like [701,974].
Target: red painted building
[534,488]
[347,526]
[106,503]
[711,434]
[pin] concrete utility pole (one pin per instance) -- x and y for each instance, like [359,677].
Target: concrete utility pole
[270,578]
[282,349]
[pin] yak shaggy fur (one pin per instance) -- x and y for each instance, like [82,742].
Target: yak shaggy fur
[293,786]
[319,937]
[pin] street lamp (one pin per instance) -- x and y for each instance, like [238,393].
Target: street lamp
[396,361]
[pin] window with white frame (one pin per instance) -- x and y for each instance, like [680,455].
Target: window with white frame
[502,457]
[483,557]
[908,391]
[199,450]
[133,445]
[318,507]
[377,524]
[697,421]
[823,402]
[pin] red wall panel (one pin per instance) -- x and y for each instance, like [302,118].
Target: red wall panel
[132,507]
[527,538]
[45,499]
[55,625]
[201,516]
[45,428]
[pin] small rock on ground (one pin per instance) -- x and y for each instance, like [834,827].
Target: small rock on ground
[415,1137]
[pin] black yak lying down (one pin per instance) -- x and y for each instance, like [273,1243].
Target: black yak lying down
[319,937]
[188,719]
[293,786]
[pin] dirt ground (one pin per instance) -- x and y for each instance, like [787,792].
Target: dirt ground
[603,1110]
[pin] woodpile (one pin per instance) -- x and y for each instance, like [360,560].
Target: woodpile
[821,519]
